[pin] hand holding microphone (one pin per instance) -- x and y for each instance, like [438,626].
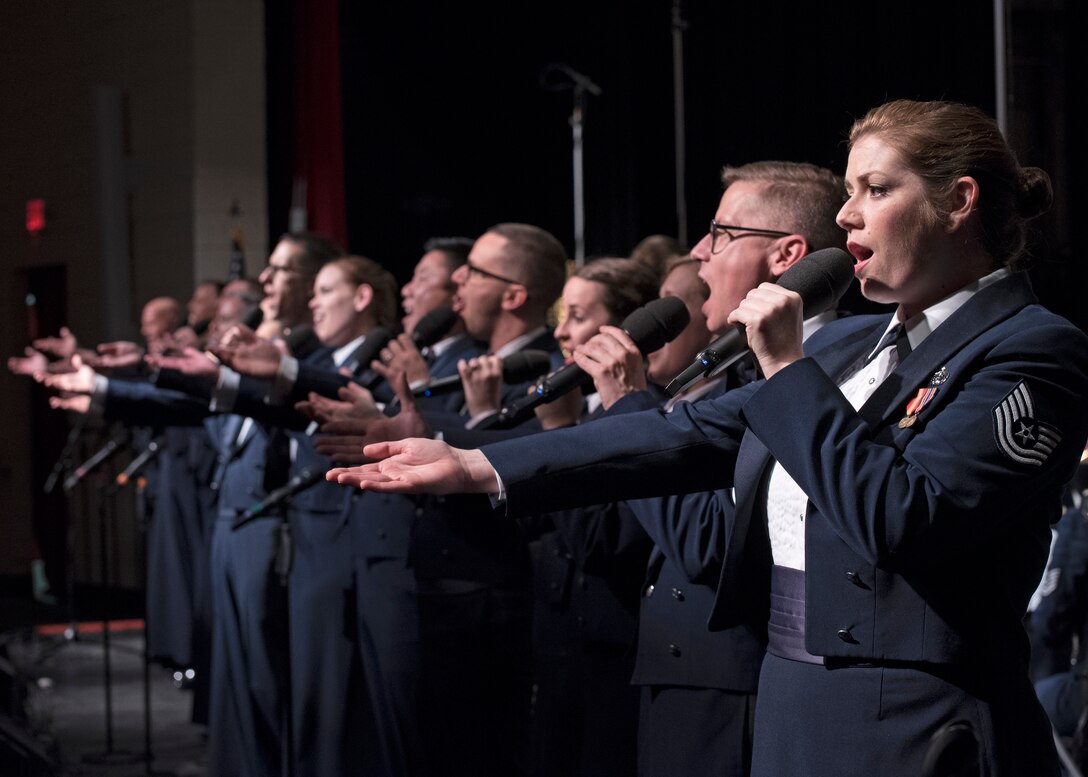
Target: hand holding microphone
[650,327]
[819,278]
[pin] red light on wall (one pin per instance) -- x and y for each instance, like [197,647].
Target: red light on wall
[35,216]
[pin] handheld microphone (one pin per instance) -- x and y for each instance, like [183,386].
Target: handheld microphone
[253,317]
[821,278]
[300,482]
[139,462]
[362,356]
[433,326]
[651,326]
[518,367]
[91,464]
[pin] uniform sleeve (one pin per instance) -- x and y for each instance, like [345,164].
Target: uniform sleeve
[1003,437]
[690,529]
[627,456]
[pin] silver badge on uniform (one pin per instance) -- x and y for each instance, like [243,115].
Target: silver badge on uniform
[1019,435]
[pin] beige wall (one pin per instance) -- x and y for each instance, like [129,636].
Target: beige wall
[192,75]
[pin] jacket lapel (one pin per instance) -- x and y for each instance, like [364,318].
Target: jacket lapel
[984,310]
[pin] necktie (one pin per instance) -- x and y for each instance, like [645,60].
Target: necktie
[896,336]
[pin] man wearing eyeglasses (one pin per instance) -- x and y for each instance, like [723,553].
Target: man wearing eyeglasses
[443,587]
[763,203]
[699,686]
[514,274]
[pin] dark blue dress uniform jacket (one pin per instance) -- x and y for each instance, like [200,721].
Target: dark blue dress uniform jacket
[923,542]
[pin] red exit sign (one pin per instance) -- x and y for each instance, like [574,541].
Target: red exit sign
[35,216]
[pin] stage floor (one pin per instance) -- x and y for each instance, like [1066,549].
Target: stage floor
[65,703]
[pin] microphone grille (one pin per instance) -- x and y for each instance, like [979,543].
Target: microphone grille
[521,366]
[821,278]
[433,326]
[656,323]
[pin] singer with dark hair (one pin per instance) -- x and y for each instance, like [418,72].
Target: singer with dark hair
[895,478]
[443,589]
[587,566]
[430,289]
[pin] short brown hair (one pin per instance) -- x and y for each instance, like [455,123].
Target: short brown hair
[804,198]
[359,270]
[537,258]
[628,284]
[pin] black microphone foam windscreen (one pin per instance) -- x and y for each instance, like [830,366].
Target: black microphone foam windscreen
[821,278]
[253,317]
[656,323]
[433,326]
[521,366]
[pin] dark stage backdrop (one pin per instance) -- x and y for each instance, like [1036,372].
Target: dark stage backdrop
[448,130]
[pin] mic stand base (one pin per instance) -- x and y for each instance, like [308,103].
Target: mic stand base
[113,758]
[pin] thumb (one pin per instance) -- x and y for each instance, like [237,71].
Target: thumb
[383,450]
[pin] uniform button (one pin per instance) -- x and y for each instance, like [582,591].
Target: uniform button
[649,590]
[444,553]
[581,621]
[677,594]
[674,651]
[553,586]
[583,583]
[419,512]
[846,636]
[213,486]
[220,458]
[381,534]
[557,552]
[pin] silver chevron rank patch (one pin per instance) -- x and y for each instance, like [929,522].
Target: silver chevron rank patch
[1019,435]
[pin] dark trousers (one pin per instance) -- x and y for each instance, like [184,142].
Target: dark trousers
[247,715]
[704,731]
[328,696]
[447,669]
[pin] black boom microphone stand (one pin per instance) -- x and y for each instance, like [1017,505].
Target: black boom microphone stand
[132,473]
[105,493]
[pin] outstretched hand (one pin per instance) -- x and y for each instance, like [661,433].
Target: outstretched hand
[120,354]
[33,361]
[191,362]
[62,346]
[347,436]
[81,381]
[250,355]
[419,466]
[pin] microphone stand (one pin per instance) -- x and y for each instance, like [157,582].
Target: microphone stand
[577,120]
[133,474]
[105,494]
[62,470]
[64,462]
[579,85]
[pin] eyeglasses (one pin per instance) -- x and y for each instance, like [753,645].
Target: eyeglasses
[721,234]
[472,268]
[270,270]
